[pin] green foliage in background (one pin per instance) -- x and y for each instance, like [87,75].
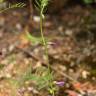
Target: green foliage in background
[89,1]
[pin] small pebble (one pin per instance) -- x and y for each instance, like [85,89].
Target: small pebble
[36,18]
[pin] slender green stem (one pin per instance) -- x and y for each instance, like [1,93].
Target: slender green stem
[45,47]
[43,39]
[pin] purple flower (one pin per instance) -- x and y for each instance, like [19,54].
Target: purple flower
[59,83]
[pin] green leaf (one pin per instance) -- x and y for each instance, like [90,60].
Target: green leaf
[34,40]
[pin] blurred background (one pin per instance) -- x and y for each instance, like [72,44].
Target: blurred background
[69,26]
